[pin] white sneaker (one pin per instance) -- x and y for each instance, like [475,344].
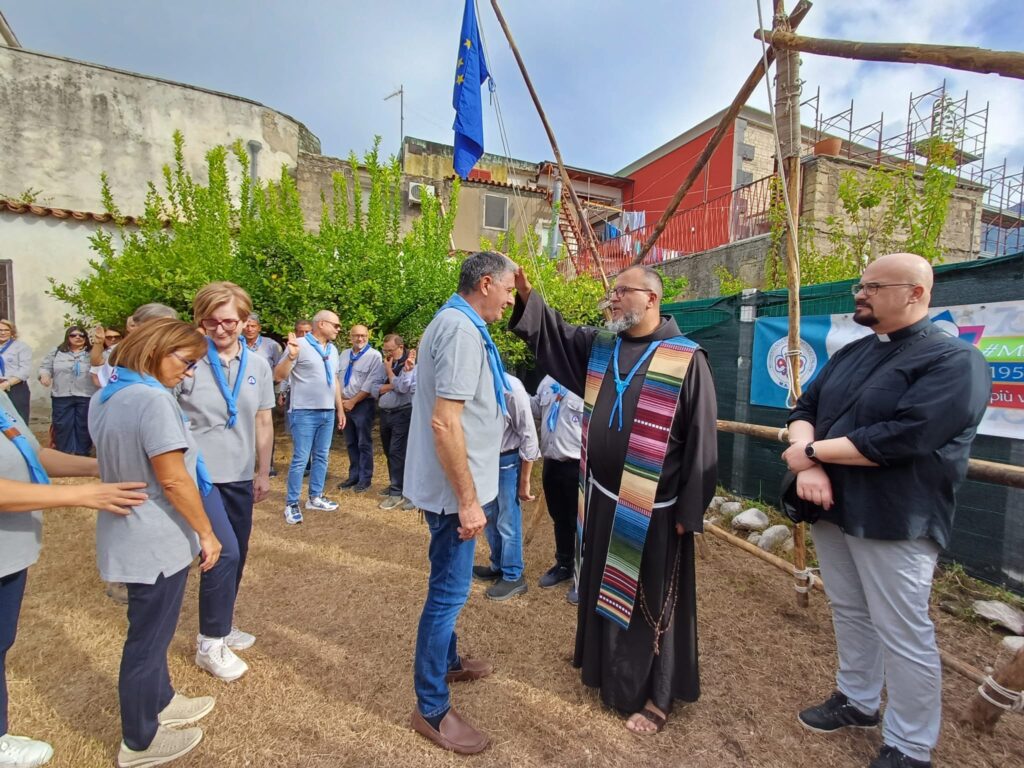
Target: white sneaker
[238,640]
[219,660]
[184,710]
[22,752]
[166,746]
[321,503]
[292,514]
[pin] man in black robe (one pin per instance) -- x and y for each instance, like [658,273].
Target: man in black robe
[640,672]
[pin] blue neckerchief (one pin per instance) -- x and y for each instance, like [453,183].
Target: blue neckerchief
[325,353]
[3,365]
[501,384]
[352,363]
[35,468]
[77,370]
[256,346]
[559,392]
[621,385]
[230,397]
[122,378]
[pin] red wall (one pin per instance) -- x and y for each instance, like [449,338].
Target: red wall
[655,184]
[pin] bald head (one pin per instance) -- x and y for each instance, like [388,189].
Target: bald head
[896,290]
[326,325]
[359,336]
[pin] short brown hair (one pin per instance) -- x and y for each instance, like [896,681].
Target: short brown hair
[10,324]
[213,295]
[146,346]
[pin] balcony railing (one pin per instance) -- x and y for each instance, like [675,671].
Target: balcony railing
[737,215]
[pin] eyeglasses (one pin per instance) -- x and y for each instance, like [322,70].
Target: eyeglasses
[335,326]
[190,365]
[621,290]
[76,335]
[211,325]
[870,289]
[112,336]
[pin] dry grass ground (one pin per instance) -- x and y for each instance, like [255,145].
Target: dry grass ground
[334,604]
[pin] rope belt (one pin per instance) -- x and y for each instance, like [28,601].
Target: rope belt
[1015,699]
[615,496]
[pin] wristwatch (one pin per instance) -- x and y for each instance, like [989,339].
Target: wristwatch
[809,452]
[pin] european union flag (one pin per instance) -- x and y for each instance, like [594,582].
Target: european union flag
[470,74]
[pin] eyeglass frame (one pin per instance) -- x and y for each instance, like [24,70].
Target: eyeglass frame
[335,326]
[621,290]
[77,334]
[190,365]
[870,289]
[210,324]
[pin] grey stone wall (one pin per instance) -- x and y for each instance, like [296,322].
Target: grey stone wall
[745,259]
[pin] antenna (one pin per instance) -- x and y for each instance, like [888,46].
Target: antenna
[400,93]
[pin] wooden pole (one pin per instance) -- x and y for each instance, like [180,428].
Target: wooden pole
[960,667]
[982,60]
[982,715]
[728,118]
[587,230]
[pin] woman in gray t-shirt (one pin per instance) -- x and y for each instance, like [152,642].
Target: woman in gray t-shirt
[66,371]
[24,491]
[140,432]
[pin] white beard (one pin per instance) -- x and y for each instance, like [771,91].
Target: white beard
[624,323]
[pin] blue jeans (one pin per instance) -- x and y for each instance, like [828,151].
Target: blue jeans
[359,441]
[312,431]
[451,572]
[504,529]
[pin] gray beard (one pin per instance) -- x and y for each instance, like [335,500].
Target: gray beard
[624,323]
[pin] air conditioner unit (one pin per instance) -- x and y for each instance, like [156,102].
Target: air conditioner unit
[417,190]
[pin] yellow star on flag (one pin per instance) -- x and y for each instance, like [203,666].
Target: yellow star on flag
[468,43]
[459,80]
[461,62]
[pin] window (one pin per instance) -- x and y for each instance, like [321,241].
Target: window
[495,212]
[747,151]
[7,289]
[744,177]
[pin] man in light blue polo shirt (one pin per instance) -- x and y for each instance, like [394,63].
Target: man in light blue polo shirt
[310,364]
[360,368]
[452,475]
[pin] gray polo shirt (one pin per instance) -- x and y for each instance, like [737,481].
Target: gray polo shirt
[267,348]
[60,366]
[17,360]
[520,433]
[137,423]
[452,364]
[366,371]
[403,389]
[308,379]
[229,454]
[563,444]
[21,533]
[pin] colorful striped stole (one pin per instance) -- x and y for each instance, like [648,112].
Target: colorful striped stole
[645,458]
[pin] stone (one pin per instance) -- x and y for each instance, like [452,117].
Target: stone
[1013,643]
[752,519]
[730,508]
[754,538]
[713,520]
[1000,613]
[774,537]
[716,503]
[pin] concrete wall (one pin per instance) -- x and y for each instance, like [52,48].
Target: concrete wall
[961,235]
[63,122]
[41,247]
[526,211]
[745,259]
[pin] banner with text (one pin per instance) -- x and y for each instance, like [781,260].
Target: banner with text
[997,329]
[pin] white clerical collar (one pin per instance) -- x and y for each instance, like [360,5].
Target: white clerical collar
[883,337]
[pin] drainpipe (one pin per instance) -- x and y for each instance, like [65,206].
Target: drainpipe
[7,34]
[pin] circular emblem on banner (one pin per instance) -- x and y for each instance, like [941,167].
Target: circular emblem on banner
[777,362]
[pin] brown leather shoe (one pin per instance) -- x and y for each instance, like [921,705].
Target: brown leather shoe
[472,669]
[454,734]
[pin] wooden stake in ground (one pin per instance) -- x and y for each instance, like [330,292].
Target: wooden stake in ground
[987,62]
[982,714]
[588,231]
[799,12]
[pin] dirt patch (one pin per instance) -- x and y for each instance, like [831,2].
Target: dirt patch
[334,605]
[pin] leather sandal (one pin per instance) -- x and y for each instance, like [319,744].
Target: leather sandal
[454,733]
[471,669]
[654,718]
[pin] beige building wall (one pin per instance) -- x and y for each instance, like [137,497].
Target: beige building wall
[63,122]
[527,211]
[41,247]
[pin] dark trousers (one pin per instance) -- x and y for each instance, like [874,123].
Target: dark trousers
[358,430]
[229,507]
[12,590]
[71,425]
[21,398]
[394,436]
[144,684]
[561,489]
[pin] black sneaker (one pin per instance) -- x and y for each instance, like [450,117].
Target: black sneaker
[555,576]
[350,483]
[834,714]
[505,590]
[890,757]
[485,573]
[361,488]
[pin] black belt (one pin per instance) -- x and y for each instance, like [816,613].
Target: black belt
[399,408]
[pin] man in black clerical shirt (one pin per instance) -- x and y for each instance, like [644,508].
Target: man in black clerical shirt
[880,440]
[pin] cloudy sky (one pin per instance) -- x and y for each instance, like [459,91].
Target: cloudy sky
[617,78]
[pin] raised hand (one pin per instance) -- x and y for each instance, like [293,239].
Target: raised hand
[523,286]
[293,346]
